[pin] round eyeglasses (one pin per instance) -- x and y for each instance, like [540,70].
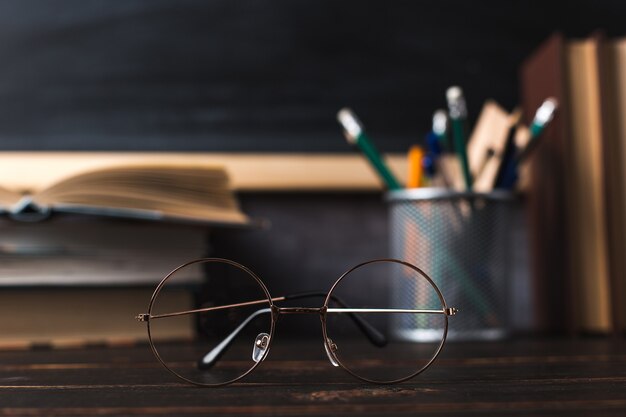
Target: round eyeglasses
[364,316]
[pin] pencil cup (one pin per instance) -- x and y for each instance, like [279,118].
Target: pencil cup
[461,240]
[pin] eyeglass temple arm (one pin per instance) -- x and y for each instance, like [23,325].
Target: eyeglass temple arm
[208,360]
[372,334]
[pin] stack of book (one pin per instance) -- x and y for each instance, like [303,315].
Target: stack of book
[80,257]
[577,199]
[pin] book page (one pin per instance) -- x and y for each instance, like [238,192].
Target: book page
[161,191]
[8,198]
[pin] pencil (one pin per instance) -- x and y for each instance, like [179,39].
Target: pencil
[415,157]
[355,135]
[458,115]
[508,175]
[544,115]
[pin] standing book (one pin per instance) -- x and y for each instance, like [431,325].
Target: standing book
[613,55]
[586,203]
[570,206]
[541,76]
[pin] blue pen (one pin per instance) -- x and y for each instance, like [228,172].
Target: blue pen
[440,126]
[432,153]
[434,140]
[507,175]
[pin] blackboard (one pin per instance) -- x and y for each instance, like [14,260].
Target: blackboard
[266,75]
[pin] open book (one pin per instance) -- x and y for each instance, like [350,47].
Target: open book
[156,191]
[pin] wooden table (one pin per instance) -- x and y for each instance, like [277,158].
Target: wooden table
[517,377]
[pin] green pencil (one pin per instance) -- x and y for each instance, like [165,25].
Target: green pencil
[544,115]
[355,135]
[458,115]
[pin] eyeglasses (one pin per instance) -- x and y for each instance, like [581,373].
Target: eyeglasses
[364,318]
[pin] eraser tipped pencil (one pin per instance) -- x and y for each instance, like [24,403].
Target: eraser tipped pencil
[543,116]
[457,110]
[456,103]
[352,126]
[355,135]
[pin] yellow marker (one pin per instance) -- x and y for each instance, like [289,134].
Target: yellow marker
[416,155]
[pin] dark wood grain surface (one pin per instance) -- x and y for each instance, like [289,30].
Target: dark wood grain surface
[524,377]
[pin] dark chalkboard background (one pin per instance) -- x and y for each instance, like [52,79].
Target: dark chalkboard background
[268,75]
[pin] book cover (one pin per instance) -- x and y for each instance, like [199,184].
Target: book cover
[542,76]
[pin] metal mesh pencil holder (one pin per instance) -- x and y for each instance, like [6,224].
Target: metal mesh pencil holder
[461,240]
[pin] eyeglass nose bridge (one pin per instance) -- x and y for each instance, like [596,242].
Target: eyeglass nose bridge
[301,310]
[278,311]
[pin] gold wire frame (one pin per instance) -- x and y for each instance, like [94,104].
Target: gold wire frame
[277,311]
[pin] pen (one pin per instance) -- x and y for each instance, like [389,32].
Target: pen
[458,115]
[355,134]
[440,126]
[429,162]
[507,175]
[435,140]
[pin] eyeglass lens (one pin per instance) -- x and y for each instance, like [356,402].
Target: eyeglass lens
[202,357]
[390,287]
